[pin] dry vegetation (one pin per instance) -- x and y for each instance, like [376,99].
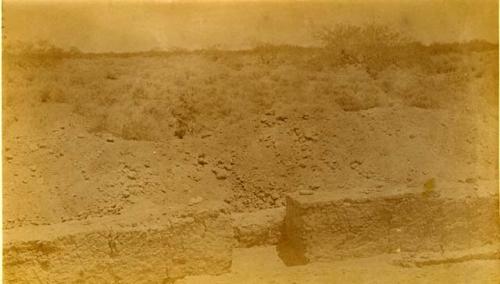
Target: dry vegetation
[371,107]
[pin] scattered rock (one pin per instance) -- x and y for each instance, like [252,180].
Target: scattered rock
[195,200]
[281,118]
[206,135]
[310,135]
[275,195]
[355,164]
[220,173]
[314,186]
[470,180]
[111,77]
[196,178]
[110,139]
[201,160]
[131,175]
[179,133]
[33,147]
[266,122]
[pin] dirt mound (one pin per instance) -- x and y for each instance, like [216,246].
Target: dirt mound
[93,136]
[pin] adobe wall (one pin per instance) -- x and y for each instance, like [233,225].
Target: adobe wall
[162,248]
[327,226]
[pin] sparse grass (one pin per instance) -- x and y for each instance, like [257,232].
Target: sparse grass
[163,95]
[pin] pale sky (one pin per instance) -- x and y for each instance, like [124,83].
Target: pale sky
[100,26]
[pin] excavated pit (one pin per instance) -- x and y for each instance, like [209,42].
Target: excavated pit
[451,223]
[151,249]
[172,166]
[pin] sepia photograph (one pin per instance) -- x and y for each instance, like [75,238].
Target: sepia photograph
[247,141]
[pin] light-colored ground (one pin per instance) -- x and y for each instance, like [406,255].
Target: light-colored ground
[262,265]
[101,136]
[89,137]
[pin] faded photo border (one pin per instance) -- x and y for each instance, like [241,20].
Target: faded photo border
[156,43]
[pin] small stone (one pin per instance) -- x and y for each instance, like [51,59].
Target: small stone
[275,195]
[179,133]
[131,175]
[306,192]
[33,168]
[281,118]
[314,186]
[33,147]
[310,135]
[266,122]
[195,200]
[470,180]
[201,160]
[110,139]
[196,178]
[206,135]
[355,164]
[220,173]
